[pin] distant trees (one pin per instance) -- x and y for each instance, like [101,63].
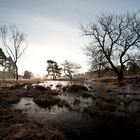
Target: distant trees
[116,36]
[14,43]
[133,68]
[70,68]
[28,75]
[53,69]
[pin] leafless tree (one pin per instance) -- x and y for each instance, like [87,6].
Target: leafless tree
[117,36]
[70,68]
[14,43]
[97,60]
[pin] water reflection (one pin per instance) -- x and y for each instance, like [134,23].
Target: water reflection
[77,103]
[76,125]
[54,84]
[59,84]
[72,123]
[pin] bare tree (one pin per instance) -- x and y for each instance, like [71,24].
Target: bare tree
[14,43]
[116,36]
[70,68]
[97,59]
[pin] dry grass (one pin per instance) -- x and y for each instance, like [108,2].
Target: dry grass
[15,125]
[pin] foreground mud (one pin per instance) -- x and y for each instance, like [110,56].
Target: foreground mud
[15,125]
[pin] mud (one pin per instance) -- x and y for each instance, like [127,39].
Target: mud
[15,125]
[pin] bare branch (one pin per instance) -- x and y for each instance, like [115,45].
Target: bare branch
[115,35]
[16,48]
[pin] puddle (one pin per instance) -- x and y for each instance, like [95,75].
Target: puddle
[74,124]
[77,103]
[59,84]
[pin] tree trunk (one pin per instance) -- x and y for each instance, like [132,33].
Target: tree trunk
[99,73]
[120,76]
[118,72]
[16,72]
[69,75]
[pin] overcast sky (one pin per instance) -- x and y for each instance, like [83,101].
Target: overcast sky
[52,27]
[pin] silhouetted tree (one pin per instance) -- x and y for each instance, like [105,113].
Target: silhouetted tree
[116,36]
[70,68]
[13,42]
[53,69]
[97,60]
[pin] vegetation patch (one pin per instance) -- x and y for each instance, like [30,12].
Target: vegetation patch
[85,94]
[77,88]
[48,101]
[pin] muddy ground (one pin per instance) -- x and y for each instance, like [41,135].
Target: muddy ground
[15,125]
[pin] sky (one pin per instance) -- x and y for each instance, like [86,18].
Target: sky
[52,28]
